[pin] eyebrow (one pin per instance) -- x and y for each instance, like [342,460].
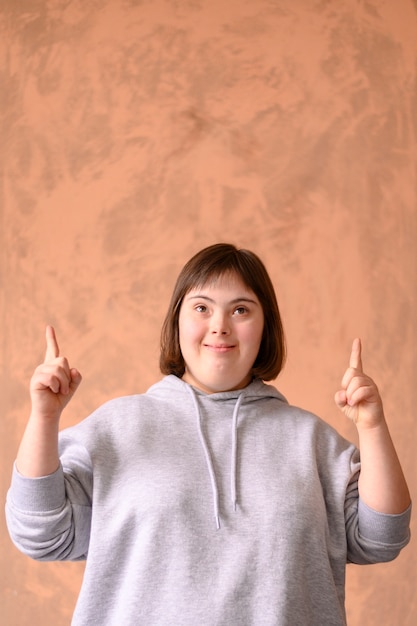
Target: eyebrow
[234,301]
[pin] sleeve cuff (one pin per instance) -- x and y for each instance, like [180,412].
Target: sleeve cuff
[45,493]
[384,527]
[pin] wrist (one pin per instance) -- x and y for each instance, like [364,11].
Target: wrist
[375,424]
[47,418]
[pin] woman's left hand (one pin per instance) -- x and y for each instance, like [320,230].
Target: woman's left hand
[359,397]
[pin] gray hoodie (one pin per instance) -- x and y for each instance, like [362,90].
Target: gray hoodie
[230,509]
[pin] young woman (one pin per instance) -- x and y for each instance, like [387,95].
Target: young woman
[209,500]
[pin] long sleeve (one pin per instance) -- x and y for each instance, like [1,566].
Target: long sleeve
[373,537]
[49,518]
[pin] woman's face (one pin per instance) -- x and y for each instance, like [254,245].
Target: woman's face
[220,332]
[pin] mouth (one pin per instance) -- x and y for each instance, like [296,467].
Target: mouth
[220,347]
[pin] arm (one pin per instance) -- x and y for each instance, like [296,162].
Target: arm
[48,512]
[382,485]
[52,386]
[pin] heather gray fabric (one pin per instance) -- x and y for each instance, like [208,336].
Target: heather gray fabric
[198,511]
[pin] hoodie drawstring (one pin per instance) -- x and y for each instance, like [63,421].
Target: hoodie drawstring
[209,461]
[233,468]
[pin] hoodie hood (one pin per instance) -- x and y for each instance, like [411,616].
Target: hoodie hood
[256,391]
[171,386]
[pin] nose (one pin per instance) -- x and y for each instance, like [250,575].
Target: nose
[220,324]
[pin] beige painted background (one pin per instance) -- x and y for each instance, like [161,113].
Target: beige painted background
[136,132]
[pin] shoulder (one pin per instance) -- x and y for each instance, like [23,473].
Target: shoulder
[161,391]
[126,410]
[303,424]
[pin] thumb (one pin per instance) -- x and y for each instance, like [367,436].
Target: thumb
[76,379]
[340,399]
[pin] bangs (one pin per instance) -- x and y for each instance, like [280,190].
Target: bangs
[209,271]
[211,277]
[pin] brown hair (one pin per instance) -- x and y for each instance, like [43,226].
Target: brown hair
[205,267]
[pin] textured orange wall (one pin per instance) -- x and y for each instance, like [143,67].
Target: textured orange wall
[136,132]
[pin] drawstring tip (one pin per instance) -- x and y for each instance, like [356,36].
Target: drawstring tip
[234,505]
[217,522]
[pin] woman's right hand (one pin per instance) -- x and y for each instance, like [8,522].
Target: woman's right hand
[53,383]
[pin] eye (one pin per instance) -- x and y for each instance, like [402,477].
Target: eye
[201,308]
[241,310]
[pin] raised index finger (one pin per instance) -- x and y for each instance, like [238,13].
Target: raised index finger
[355,355]
[52,348]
